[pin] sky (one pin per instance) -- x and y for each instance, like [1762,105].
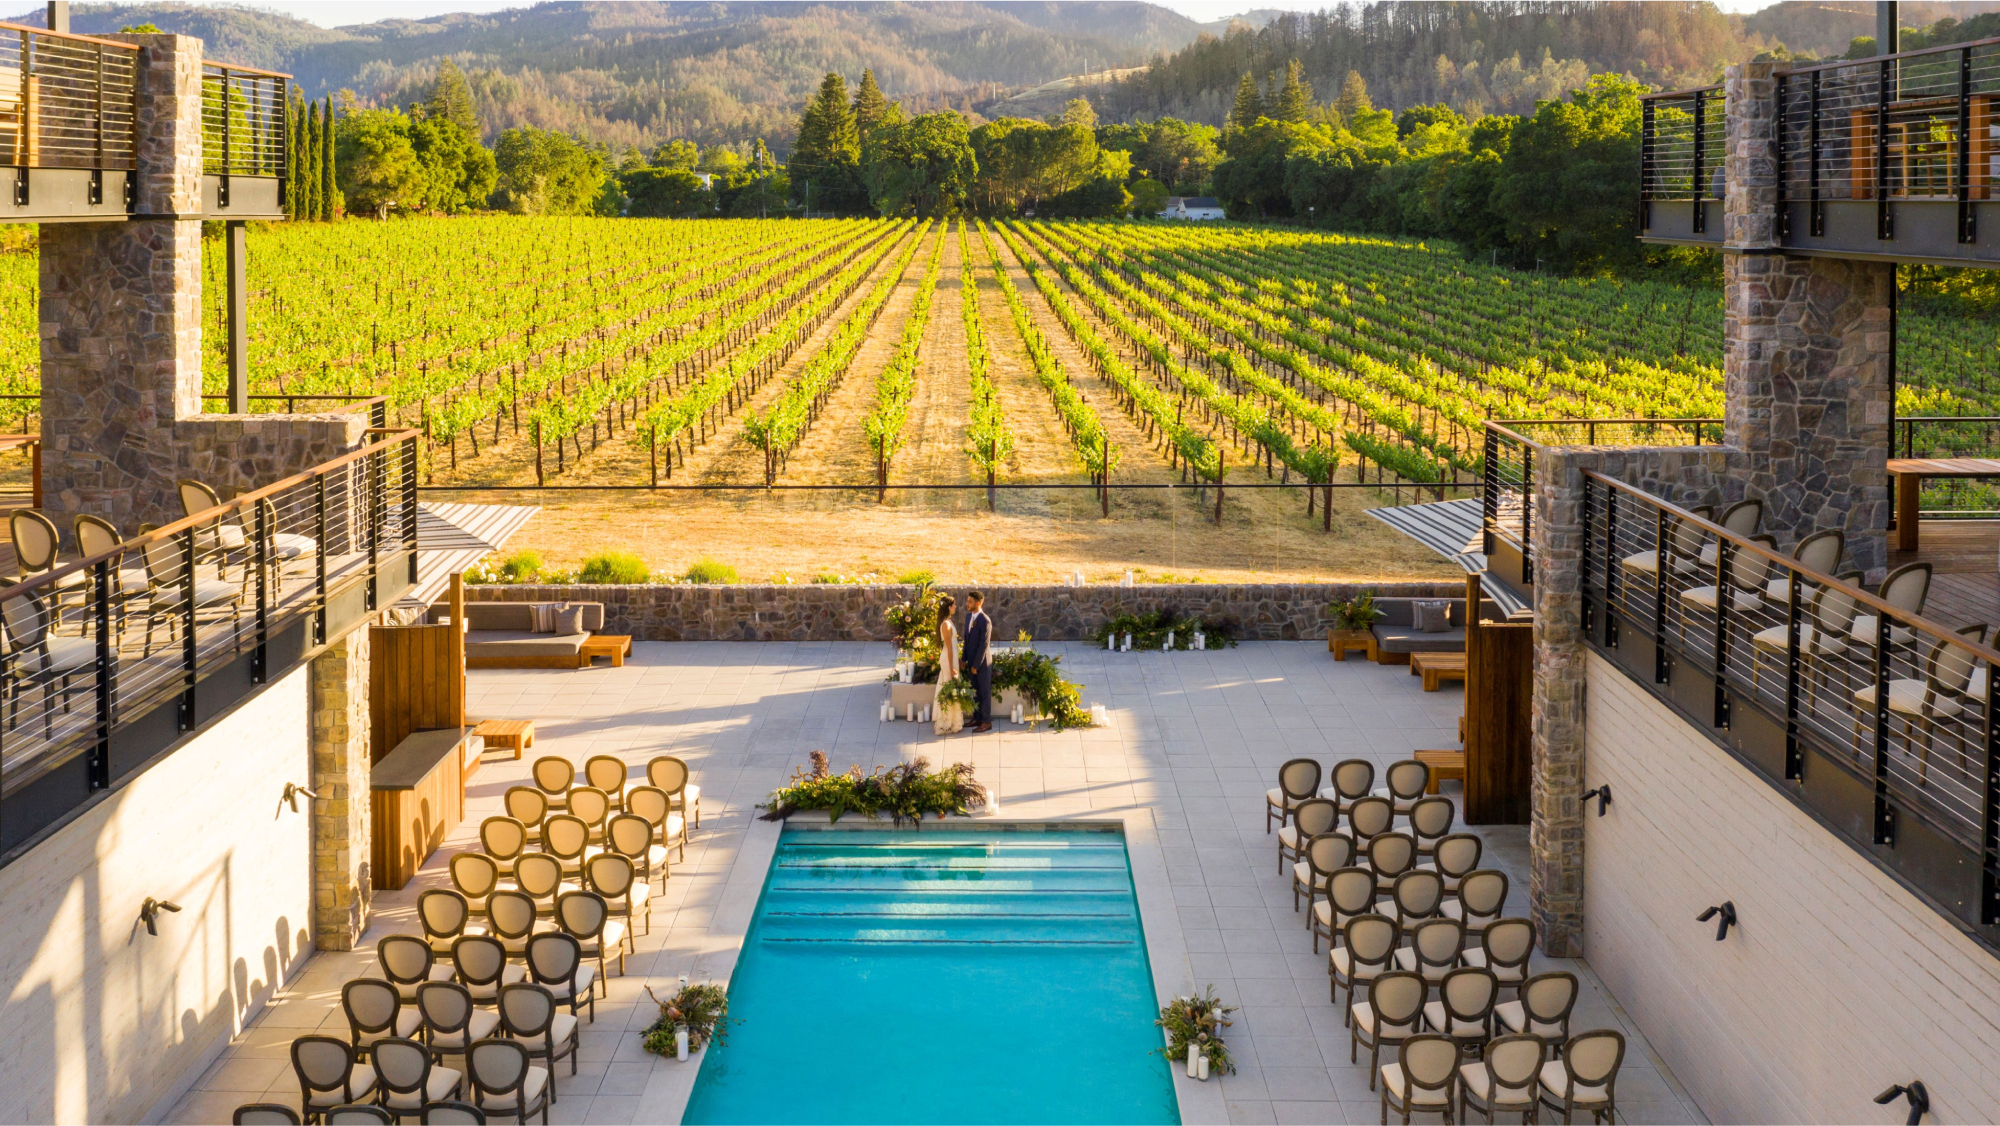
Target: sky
[337,13]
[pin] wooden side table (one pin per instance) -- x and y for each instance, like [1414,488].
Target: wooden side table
[1436,668]
[1446,766]
[515,735]
[1341,642]
[612,645]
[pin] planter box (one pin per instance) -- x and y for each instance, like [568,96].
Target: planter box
[919,694]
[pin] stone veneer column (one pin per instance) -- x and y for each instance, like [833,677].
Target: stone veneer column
[1807,344]
[338,698]
[120,313]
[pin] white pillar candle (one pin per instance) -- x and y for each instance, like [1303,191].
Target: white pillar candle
[925,715]
[888,711]
[1128,578]
[909,711]
[1170,640]
[1111,643]
[1193,1068]
[681,1042]
[1202,1066]
[1200,640]
[1128,643]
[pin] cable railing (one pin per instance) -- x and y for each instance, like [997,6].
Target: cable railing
[107,658]
[243,120]
[1509,484]
[1683,135]
[1877,718]
[66,101]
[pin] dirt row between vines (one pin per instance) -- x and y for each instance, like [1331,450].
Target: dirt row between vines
[1036,535]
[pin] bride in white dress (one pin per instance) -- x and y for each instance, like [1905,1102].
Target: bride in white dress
[946,718]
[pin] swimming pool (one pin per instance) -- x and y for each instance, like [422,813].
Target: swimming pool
[942,975]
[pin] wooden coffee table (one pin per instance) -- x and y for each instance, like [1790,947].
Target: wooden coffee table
[612,645]
[514,735]
[1446,766]
[1436,668]
[1341,642]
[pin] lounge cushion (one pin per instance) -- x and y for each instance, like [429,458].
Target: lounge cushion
[1406,639]
[1392,1081]
[521,643]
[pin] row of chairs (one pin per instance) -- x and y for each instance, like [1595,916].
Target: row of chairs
[451,1113]
[401,1077]
[555,777]
[1404,783]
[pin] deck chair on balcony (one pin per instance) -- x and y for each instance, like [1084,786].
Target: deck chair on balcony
[1350,781]
[1423,1079]
[672,775]
[1393,1013]
[37,551]
[1941,696]
[1324,855]
[96,537]
[1742,519]
[1817,552]
[1681,549]
[283,547]
[1297,780]
[1825,621]
[217,541]
[1907,589]
[36,658]
[167,592]
[1310,818]
[1749,573]
[1350,894]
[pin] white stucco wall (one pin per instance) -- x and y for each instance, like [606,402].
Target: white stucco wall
[103,1022]
[1837,984]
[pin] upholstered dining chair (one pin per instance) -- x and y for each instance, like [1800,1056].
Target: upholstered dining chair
[1297,780]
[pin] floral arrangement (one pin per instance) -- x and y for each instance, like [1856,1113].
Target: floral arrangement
[703,1008]
[913,626]
[1038,678]
[958,690]
[1155,629]
[1359,612]
[905,792]
[1198,1021]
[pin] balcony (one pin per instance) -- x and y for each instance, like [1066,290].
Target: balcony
[243,146]
[1893,158]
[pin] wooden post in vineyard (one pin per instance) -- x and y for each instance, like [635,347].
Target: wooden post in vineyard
[1218,484]
[535,435]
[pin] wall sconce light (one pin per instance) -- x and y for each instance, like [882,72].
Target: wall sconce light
[292,792]
[1920,1099]
[1603,796]
[1728,918]
[149,912]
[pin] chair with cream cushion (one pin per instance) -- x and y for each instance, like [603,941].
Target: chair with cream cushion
[330,1074]
[553,775]
[1350,780]
[96,536]
[217,540]
[1586,1077]
[1749,573]
[510,917]
[265,1114]
[1367,951]
[504,1080]
[540,877]
[1456,855]
[672,775]
[1742,519]
[1404,784]
[1422,1079]
[1543,1007]
[1941,696]
[669,828]
[1430,822]
[167,592]
[1504,947]
[1393,1012]
[528,1012]
[35,656]
[1907,589]
[38,550]
[1325,854]
[407,962]
[482,967]
[1682,547]
[607,773]
[631,835]
[529,806]
[476,876]
[1434,949]
[591,806]
[1417,894]
[1391,855]
[504,839]
[1297,780]
[453,1113]
[584,916]
[1481,897]
[451,1021]
[1505,1080]
[409,1077]
[1826,618]
[375,1011]
[358,1114]
[1310,818]
[1367,818]
[567,839]
[1350,894]
[444,915]
[614,877]
[1462,1006]
[1818,552]
[555,962]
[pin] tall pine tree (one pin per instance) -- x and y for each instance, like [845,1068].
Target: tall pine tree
[1295,101]
[451,99]
[1353,98]
[828,147]
[329,194]
[869,104]
[1249,104]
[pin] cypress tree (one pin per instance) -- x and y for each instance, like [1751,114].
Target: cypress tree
[295,138]
[329,194]
[309,165]
[1249,104]
[1296,99]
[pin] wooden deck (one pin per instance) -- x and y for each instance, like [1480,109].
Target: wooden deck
[1965,568]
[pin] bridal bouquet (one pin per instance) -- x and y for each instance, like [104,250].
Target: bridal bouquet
[958,690]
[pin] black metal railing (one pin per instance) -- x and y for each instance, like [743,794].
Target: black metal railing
[1683,135]
[66,101]
[107,659]
[1509,482]
[1876,718]
[243,122]
[377,406]
[1918,125]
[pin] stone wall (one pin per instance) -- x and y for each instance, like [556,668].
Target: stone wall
[830,612]
[340,776]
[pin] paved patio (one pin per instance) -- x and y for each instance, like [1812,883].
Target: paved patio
[1195,740]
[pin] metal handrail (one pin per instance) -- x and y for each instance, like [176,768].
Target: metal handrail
[1899,56]
[6,25]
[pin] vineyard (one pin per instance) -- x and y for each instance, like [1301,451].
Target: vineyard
[669,358]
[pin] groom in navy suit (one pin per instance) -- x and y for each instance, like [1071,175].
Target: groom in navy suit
[976,659]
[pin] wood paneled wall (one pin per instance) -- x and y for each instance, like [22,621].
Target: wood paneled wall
[416,678]
[1499,719]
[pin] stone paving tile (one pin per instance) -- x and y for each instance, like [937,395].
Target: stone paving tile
[1194,741]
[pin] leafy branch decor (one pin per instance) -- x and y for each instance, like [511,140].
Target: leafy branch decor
[1199,1021]
[958,690]
[1151,630]
[702,1008]
[913,626]
[1038,678]
[906,792]
[1358,613]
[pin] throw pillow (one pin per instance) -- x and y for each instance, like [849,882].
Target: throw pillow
[1431,616]
[545,616]
[569,621]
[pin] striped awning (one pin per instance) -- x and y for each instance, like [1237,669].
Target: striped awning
[452,537]
[1454,529]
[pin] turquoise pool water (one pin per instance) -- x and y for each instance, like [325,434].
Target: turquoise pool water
[941,976]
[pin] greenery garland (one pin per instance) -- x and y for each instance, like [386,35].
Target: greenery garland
[1199,1021]
[703,1008]
[1038,678]
[905,792]
[1151,630]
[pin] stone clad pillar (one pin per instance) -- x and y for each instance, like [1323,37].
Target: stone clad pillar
[1807,350]
[338,698]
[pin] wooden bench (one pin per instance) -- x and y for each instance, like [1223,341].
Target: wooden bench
[514,735]
[1436,668]
[1911,472]
[1446,766]
[417,798]
[612,645]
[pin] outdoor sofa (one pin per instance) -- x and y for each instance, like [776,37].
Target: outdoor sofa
[500,635]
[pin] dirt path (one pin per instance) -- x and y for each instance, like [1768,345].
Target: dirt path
[934,437]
